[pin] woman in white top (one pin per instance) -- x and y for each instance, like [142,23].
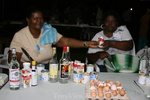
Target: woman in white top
[117,40]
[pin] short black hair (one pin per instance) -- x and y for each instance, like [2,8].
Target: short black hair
[31,10]
[112,13]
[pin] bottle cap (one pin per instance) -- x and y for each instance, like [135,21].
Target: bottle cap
[33,62]
[26,65]
[64,48]
[13,50]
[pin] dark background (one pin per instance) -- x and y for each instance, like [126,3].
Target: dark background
[15,10]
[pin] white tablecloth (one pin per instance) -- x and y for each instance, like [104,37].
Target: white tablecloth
[71,90]
[4,77]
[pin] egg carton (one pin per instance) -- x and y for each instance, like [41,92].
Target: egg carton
[118,97]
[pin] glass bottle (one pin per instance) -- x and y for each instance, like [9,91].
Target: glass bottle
[144,61]
[70,63]
[54,67]
[63,64]
[14,75]
[34,74]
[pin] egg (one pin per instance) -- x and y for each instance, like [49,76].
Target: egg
[118,84]
[108,95]
[92,84]
[108,85]
[105,83]
[110,82]
[101,85]
[93,94]
[98,82]
[122,92]
[114,93]
[93,90]
[100,94]
[119,88]
[99,89]
[106,89]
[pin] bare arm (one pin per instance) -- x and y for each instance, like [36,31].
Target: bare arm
[93,57]
[64,41]
[121,45]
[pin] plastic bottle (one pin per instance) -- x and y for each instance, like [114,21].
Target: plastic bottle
[34,74]
[14,75]
[63,64]
[26,75]
[54,67]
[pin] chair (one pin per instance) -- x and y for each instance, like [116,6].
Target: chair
[3,60]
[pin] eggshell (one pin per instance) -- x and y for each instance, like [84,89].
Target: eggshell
[101,85]
[113,87]
[122,92]
[101,94]
[114,93]
[93,94]
[98,82]
[110,82]
[119,88]
[106,89]
[118,84]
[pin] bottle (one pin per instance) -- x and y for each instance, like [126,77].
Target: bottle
[70,63]
[63,64]
[34,74]
[53,70]
[14,75]
[144,61]
[26,75]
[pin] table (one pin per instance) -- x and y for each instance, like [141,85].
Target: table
[71,90]
[4,77]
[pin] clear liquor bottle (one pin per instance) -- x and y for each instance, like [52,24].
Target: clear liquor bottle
[144,61]
[34,74]
[14,75]
[70,63]
[63,64]
[54,67]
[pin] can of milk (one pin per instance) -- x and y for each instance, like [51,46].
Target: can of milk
[93,76]
[40,67]
[89,68]
[85,78]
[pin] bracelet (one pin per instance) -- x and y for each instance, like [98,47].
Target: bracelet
[85,44]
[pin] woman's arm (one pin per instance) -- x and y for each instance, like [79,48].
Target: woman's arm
[121,45]
[64,41]
[93,57]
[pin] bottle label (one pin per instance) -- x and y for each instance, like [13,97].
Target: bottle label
[53,70]
[34,78]
[142,66]
[14,76]
[64,71]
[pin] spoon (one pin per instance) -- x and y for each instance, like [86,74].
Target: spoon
[109,59]
[147,95]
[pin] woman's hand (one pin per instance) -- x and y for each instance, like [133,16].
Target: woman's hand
[92,44]
[103,55]
[106,45]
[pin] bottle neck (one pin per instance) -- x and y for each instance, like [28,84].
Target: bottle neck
[14,57]
[64,54]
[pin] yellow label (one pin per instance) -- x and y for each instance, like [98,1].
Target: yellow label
[53,72]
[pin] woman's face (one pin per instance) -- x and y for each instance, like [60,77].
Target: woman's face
[36,21]
[110,23]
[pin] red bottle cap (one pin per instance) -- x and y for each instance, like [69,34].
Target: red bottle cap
[64,48]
